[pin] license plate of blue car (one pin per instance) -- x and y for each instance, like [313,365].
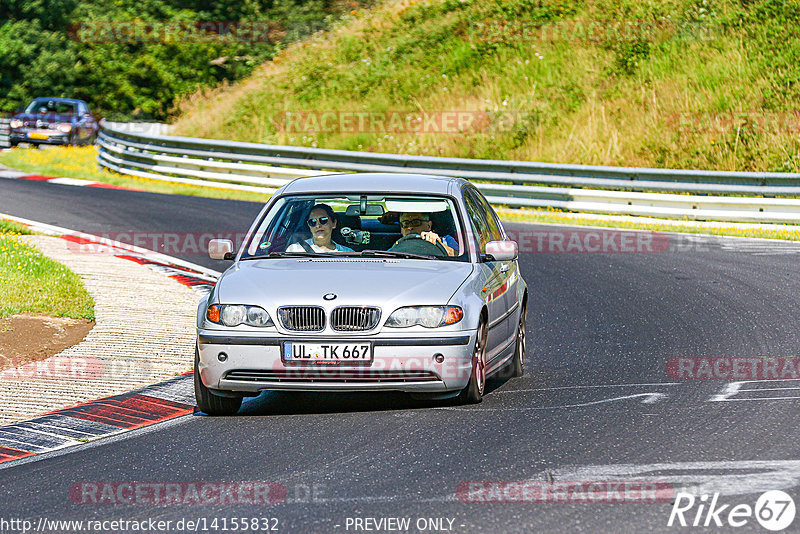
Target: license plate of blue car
[327,353]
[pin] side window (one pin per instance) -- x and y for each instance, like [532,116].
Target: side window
[494,226]
[477,219]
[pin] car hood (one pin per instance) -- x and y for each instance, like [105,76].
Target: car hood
[388,284]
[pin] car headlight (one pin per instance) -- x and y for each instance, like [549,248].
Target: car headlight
[15,123]
[234,315]
[427,316]
[64,127]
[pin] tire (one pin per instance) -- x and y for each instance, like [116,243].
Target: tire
[207,401]
[473,392]
[517,365]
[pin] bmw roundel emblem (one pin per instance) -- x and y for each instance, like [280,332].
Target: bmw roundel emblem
[329,296]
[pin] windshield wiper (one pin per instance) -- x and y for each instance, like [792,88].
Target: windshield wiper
[394,254]
[292,255]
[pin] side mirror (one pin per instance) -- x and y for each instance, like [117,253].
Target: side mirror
[501,250]
[221,249]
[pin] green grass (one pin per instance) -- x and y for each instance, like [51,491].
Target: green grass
[33,283]
[709,84]
[81,162]
[10,227]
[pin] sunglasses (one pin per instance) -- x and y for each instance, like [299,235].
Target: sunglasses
[313,222]
[411,223]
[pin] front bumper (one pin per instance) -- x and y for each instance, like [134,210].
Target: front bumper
[38,137]
[400,363]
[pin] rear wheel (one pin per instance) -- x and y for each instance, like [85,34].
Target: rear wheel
[473,393]
[207,401]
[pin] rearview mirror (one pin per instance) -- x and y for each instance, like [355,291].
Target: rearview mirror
[221,249]
[373,210]
[501,250]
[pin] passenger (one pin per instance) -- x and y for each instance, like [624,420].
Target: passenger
[321,221]
[420,223]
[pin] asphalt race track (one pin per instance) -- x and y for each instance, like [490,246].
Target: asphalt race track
[597,403]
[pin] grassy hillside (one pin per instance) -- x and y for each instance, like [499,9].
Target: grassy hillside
[709,84]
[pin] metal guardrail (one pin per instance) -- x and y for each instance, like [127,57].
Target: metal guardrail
[4,131]
[142,127]
[667,193]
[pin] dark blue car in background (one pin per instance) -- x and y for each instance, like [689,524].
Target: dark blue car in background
[54,121]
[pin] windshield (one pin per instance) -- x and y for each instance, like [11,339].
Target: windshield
[41,105]
[360,224]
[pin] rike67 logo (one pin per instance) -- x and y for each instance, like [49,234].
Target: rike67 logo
[774,510]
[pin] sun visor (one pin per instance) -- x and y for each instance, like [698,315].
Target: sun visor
[416,205]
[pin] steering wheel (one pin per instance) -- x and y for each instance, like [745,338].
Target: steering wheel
[414,244]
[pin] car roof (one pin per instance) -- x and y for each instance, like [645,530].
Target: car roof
[54,99]
[374,182]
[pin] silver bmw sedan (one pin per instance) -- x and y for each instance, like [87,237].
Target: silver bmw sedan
[364,282]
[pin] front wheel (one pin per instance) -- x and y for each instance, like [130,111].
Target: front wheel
[473,392]
[517,366]
[207,401]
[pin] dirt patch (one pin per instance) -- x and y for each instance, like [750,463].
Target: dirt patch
[31,338]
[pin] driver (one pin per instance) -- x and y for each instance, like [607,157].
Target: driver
[420,223]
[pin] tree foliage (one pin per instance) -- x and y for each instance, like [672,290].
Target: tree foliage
[80,48]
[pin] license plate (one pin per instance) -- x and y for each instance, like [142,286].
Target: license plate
[38,135]
[327,353]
